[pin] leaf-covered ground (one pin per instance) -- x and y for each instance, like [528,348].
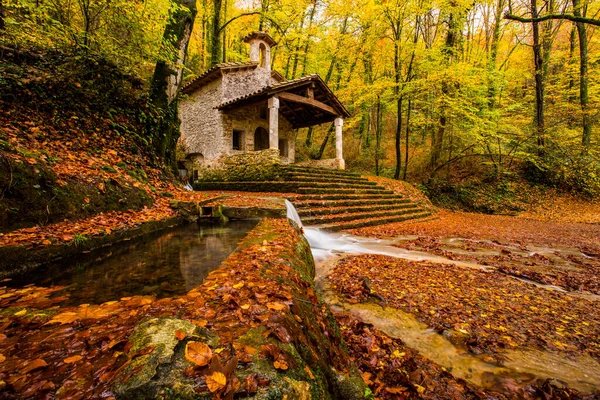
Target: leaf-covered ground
[572,271]
[394,371]
[503,229]
[493,312]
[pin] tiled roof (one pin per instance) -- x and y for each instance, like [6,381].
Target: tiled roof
[280,86]
[210,74]
[266,89]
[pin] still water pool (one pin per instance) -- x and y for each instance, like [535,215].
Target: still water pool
[164,264]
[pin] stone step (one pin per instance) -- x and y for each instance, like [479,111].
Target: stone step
[346,197]
[313,178]
[339,191]
[342,209]
[361,223]
[360,201]
[356,216]
[321,171]
[315,184]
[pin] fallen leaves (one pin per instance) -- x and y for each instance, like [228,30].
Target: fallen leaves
[216,381]
[71,360]
[35,364]
[198,353]
[484,311]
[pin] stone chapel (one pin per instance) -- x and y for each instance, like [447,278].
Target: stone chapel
[246,106]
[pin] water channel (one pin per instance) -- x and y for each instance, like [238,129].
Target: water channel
[164,264]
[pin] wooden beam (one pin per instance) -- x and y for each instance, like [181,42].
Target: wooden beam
[309,102]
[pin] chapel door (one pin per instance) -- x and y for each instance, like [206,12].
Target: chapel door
[261,139]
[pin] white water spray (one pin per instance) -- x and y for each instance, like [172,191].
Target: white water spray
[292,213]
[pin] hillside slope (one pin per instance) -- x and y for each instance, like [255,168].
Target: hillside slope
[72,140]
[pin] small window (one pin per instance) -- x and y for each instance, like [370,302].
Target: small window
[237,140]
[263,112]
[283,147]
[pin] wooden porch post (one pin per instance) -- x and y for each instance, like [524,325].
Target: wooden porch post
[339,123]
[274,122]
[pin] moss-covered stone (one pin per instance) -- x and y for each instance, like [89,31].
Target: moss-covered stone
[262,165]
[159,374]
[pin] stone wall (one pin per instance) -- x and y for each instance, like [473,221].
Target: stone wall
[248,120]
[201,123]
[241,82]
[244,167]
[329,163]
[207,131]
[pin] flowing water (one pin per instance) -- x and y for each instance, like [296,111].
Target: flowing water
[167,263]
[522,366]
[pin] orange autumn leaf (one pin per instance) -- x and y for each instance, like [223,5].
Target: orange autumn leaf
[280,364]
[180,335]
[35,364]
[216,381]
[276,306]
[71,360]
[198,353]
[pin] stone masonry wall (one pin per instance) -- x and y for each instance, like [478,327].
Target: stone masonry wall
[208,131]
[201,123]
[240,83]
[248,120]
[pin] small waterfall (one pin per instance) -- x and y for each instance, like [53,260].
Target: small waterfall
[292,213]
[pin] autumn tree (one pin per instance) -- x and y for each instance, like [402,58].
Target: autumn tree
[168,77]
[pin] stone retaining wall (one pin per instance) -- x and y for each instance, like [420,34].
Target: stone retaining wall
[269,333]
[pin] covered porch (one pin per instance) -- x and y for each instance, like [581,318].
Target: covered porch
[303,102]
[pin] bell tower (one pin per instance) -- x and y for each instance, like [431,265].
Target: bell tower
[260,48]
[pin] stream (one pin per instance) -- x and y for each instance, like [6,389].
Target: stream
[521,365]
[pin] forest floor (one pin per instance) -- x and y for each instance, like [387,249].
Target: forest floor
[526,285]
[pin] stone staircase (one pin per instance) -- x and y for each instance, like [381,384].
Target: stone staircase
[335,200]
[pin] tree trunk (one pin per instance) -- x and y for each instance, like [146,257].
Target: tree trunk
[167,81]
[539,80]
[399,99]
[215,42]
[398,137]
[407,138]
[308,141]
[224,45]
[2,26]
[378,135]
[307,45]
[583,75]
[448,51]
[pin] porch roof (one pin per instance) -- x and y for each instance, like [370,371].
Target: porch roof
[305,101]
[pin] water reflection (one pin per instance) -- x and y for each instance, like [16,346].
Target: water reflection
[165,264]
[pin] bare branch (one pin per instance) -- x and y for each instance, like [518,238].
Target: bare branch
[572,18]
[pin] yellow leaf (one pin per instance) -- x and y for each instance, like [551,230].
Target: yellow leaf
[397,354]
[198,353]
[20,313]
[420,388]
[216,381]
[238,285]
[245,306]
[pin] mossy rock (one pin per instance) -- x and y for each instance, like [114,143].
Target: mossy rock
[159,374]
